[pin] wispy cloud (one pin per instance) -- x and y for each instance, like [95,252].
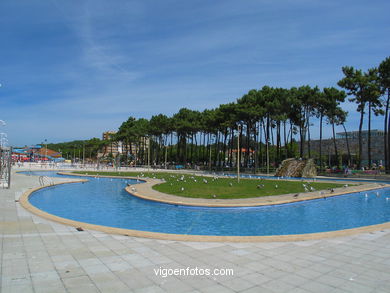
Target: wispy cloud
[91,64]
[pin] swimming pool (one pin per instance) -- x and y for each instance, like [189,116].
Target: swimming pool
[103,201]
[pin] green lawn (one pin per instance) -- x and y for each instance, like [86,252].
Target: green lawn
[206,187]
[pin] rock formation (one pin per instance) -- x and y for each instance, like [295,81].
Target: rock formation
[297,168]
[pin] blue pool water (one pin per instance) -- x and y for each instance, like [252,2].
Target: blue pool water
[103,201]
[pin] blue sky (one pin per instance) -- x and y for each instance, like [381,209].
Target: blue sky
[73,69]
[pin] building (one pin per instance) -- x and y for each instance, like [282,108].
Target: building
[35,153]
[113,147]
[119,147]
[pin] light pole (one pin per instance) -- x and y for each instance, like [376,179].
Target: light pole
[238,154]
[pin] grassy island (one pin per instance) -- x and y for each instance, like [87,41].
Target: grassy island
[196,186]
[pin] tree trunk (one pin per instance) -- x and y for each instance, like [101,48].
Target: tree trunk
[177,148]
[385,141]
[285,139]
[301,142]
[308,138]
[321,117]
[197,151]
[208,150]
[264,159]
[348,149]
[230,147]
[260,155]
[224,147]
[387,136]
[248,139]
[267,143]
[171,147]
[191,148]
[256,133]
[216,149]
[291,139]
[239,147]
[335,145]
[369,135]
[277,143]
[360,139]
[185,149]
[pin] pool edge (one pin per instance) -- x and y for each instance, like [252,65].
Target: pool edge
[24,201]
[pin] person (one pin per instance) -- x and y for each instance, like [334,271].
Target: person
[346,172]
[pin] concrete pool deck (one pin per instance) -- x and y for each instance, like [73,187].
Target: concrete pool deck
[39,255]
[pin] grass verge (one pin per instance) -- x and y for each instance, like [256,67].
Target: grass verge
[217,187]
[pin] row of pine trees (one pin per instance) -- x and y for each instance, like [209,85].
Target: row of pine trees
[271,124]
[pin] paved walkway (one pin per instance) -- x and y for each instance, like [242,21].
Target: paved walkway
[38,255]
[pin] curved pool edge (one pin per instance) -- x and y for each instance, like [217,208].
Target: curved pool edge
[243,202]
[24,201]
[99,176]
[145,191]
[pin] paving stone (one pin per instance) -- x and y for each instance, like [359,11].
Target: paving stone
[278,286]
[80,284]
[294,279]
[238,284]
[218,289]
[17,289]
[175,285]
[150,289]
[38,255]
[71,272]
[317,287]
[256,278]
[356,287]
[49,287]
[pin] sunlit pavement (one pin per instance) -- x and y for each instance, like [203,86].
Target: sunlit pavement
[38,255]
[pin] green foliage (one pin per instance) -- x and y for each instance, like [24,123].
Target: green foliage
[72,149]
[384,74]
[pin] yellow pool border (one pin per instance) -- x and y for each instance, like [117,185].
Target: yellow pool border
[24,201]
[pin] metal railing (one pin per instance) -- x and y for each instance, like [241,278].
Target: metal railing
[45,180]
